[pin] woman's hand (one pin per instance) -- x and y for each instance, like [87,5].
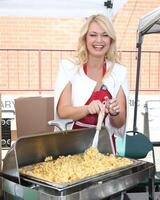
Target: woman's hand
[112,106]
[95,107]
[116,108]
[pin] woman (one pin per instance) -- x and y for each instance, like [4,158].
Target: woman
[94,81]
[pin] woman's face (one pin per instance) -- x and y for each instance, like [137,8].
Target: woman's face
[97,40]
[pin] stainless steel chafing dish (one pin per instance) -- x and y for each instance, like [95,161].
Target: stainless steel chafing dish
[34,149]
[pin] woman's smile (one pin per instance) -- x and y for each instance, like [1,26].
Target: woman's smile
[98,47]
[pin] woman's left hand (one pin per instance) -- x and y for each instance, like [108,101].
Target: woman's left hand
[112,106]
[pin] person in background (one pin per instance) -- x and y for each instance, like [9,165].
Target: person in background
[94,81]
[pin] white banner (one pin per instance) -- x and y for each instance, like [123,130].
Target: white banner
[147,104]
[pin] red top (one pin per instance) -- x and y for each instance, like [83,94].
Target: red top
[91,119]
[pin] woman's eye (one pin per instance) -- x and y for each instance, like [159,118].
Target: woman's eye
[93,35]
[105,35]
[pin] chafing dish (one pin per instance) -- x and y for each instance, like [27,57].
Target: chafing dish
[34,149]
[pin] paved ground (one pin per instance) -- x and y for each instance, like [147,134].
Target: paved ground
[142,196]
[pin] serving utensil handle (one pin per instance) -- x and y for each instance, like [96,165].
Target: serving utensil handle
[98,128]
[100,120]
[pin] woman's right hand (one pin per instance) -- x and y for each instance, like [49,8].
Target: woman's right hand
[95,107]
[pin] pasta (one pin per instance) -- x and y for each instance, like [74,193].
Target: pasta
[70,168]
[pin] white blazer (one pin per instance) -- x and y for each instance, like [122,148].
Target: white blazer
[83,86]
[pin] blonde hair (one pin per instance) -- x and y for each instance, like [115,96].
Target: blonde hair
[105,23]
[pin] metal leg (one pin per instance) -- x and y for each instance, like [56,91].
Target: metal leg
[122,195]
[158,188]
[151,189]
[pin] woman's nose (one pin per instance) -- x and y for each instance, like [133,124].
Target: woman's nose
[99,38]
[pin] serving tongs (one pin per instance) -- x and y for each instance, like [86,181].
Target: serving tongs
[98,128]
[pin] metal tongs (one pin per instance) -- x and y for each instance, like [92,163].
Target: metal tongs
[98,128]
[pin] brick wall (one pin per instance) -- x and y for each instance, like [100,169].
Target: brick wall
[39,33]
[57,33]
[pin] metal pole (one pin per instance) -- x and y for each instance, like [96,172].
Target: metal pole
[137,87]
